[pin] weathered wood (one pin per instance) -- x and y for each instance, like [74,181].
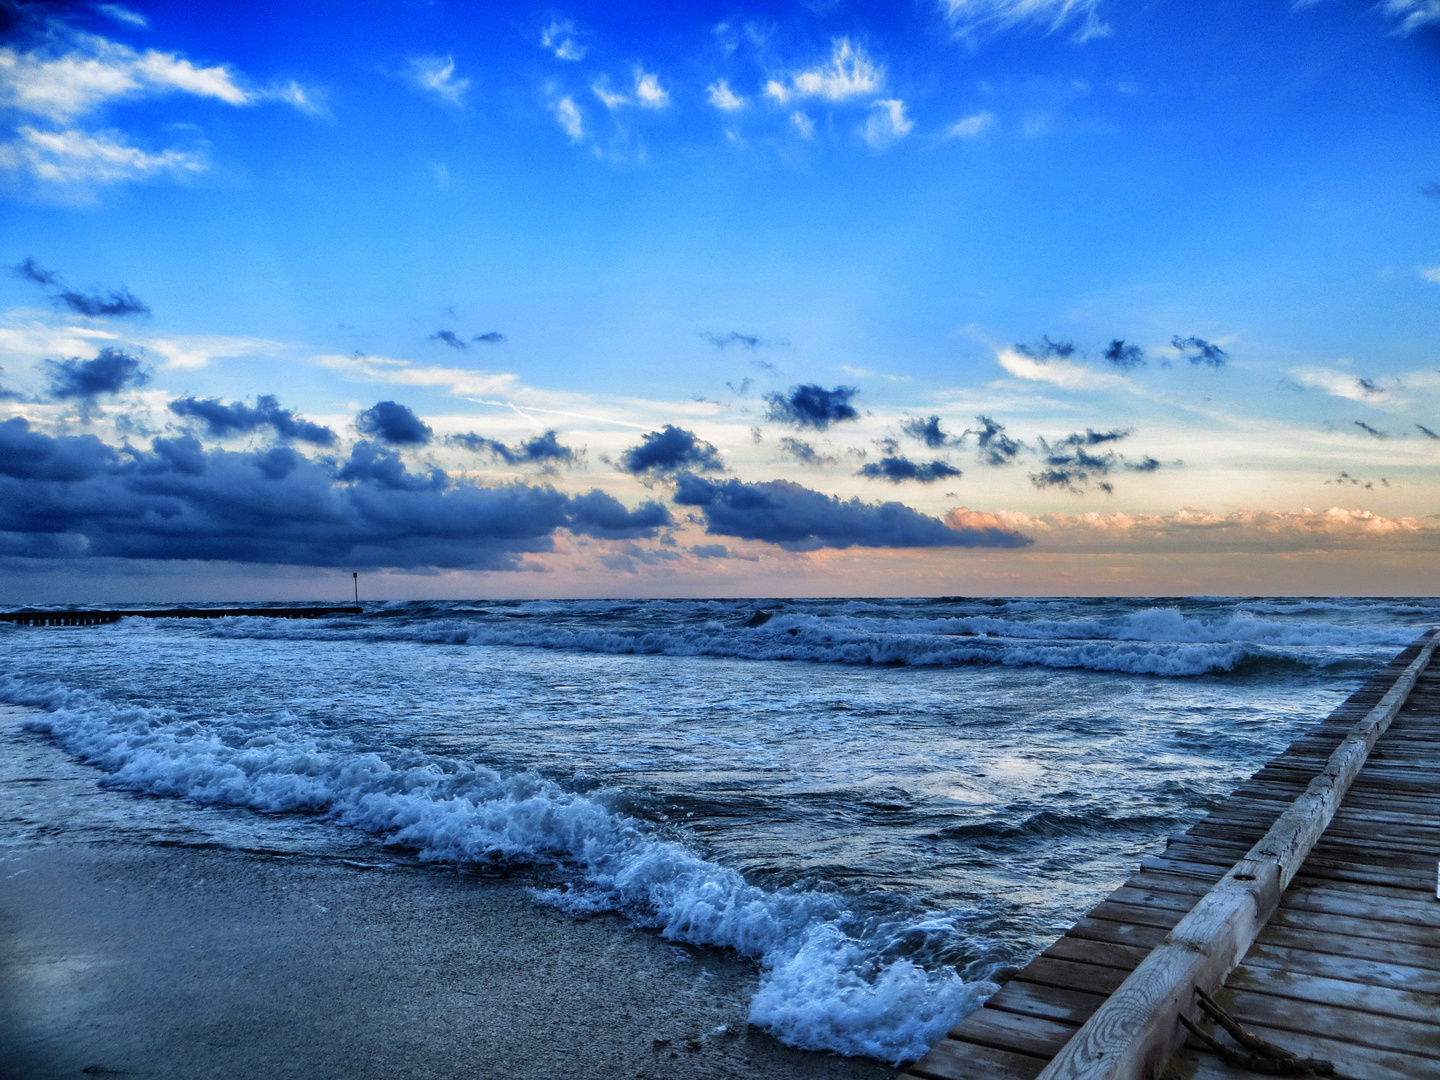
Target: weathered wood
[1404,1004]
[950,1060]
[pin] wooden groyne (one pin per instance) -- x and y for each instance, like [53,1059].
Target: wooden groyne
[1306,904]
[94,618]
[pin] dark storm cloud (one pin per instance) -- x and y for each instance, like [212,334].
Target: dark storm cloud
[1369,485]
[797,518]
[996,448]
[393,423]
[491,337]
[118,303]
[671,450]
[803,452]
[1047,349]
[734,337]
[1145,464]
[238,418]
[1370,430]
[1068,464]
[812,406]
[1199,351]
[928,431]
[899,469]
[449,338]
[108,373]
[1091,437]
[1426,431]
[73,496]
[541,450]
[1123,355]
[30,270]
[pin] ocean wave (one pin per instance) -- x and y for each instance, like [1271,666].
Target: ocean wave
[1156,641]
[825,983]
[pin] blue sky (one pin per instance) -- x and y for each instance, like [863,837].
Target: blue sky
[625,218]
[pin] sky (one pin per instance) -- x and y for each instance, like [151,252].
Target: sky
[949,297]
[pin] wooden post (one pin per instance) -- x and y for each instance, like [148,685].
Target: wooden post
[1133,1035]
[356,575]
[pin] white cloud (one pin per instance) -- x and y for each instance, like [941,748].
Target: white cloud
[461,382]
[122,14]
[612,101]
[649,92]
[1191,529]
[97,71]
[723,98]
[198,350]
[559,37]
[1413,14]
[75,158]
[849,73]
[1060,372]
[803,124]
[887,123]
[1430,273]
[436,75]
[971,126]
[971,17]
[568,114]
[1342,384]
[307,99]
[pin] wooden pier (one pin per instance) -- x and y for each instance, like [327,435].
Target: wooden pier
[1336,934]
[95,618]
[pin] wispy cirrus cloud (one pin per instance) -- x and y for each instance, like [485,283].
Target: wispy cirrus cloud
[1060,372]
[849,73]
[436,75]
[887,123]
[570,118]
[94,71]
[74,158]
[563,41]
[970,126]
[723,98]
[972,18]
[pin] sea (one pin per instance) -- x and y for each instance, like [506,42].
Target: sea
[887,804]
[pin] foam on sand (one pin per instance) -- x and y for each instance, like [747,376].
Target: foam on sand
[826,982]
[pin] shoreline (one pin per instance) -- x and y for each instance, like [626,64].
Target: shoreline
[164,952]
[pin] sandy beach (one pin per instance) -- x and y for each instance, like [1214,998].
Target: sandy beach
[171,953]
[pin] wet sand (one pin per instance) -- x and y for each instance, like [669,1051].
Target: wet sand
[162,953]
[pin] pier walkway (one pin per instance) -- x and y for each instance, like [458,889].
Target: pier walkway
[1339,951]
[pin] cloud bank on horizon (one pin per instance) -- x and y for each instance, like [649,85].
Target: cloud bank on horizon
[808,282]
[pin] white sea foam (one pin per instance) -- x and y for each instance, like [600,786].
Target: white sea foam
[823,986]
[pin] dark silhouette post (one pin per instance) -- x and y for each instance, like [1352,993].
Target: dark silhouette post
[356,575]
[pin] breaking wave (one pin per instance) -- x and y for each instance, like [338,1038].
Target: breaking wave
[829,980]
[1157,641]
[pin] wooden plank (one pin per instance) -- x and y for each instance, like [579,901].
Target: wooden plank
[1342,993]
[1343,926]
[1063,1005]
[1365,970]
[1347,1025]
[951,1060]
[1352,1062]
[1379,950]
[1066,974]
[1018,1034]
